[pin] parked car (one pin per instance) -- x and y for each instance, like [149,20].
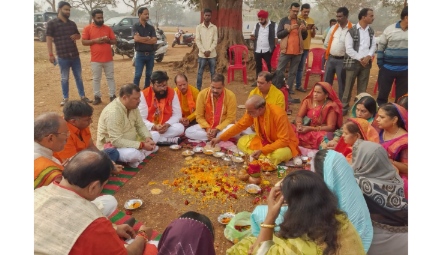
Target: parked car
[122,26]
[40,21]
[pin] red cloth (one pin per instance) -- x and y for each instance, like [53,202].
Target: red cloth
[99,238]
[262,14]
[285,94]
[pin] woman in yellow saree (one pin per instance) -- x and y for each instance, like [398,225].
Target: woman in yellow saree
[312,224]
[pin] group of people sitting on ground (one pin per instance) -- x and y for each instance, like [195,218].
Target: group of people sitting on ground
[361,169]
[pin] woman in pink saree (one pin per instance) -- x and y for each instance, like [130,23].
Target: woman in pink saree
[392,120]
[319,114]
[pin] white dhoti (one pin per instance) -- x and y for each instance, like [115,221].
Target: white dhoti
[174,130]
[133,156]
[195,132]
[247,131]
[107,204]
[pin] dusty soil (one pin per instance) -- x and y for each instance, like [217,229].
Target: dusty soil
[158,210]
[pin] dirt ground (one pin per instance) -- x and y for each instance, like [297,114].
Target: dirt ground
[158,210]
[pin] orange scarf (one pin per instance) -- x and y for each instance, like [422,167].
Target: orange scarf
[190,100]
[45,171]
[327,52]
[159,110]
[214,118]
[264,130]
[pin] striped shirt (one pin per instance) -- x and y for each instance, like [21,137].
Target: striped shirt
[61,32]
[393,48]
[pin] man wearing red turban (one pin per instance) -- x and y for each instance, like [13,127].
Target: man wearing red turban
[265,40]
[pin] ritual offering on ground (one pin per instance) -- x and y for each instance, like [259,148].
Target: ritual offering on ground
[218,154]
[187,153]
[132,204]
[198,149]
[252,189]
[175,147]
[225,218]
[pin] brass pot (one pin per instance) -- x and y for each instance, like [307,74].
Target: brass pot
[254,180]
[243,175]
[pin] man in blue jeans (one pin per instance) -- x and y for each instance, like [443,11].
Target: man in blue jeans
[144,35]
[206,39]
[311,28]
[64,33]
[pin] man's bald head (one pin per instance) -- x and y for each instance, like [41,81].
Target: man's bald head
[256,101]
[86,167]
[255,106]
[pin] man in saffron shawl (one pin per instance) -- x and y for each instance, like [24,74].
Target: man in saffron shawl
[274,137]
[216,110]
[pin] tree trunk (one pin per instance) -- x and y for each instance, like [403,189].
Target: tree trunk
[227,16]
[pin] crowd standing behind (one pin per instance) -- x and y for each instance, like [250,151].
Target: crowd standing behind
[359,163]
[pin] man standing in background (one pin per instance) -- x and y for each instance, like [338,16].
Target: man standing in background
[324,35]
[292,32]
[360,47]
[144,35]
[335,51]
[392,58]
[265,40]
[311,28]
[206,40]
[99,37]
[64,33]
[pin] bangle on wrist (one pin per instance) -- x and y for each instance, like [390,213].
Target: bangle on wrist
[51,55]
[143,234]
[267,225]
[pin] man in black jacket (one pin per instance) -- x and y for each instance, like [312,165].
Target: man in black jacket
[292,31]
[265,40]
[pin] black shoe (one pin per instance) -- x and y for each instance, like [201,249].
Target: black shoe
[295,101]
[97,100]
[254,84]
[85,99]
[289,112]
[112,98]
[301,89]
[291,92]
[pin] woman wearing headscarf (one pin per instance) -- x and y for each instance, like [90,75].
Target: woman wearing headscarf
[384,194]
[392,120]
[352,130]
[364,107]
[319,114]
[191,233]
[338,175]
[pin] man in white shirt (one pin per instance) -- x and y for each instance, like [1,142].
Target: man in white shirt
[265,39]
[335,45]
[359,52]
[161,111]
[206,40]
